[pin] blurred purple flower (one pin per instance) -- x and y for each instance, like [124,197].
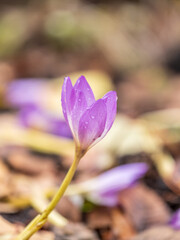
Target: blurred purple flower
[89,120]
[108,185]
[25,91]
[175,220]
[34,117]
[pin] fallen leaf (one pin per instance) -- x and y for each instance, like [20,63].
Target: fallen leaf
[121,226]
[158,233]
[144,207]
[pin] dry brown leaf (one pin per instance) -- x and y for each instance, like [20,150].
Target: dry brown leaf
[43,235]
[6,227]
[75,231]
[99,218]
[24,161]
[63,208]
[121,226]
[158,233]
[144,207]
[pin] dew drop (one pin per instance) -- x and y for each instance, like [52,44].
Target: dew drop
[79,99]
[92,116]
[86,123]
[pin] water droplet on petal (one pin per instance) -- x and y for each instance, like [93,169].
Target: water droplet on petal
[79,99]
[92,116]
[86,123]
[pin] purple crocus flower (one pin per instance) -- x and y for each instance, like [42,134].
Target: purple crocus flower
[32,116]
[89,120]
[175,220]
[25,91]
[108,185]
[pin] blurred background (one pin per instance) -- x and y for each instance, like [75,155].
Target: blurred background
[135,42]
[131,46]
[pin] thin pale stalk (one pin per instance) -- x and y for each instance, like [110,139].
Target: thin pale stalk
[39,203]
[40,219]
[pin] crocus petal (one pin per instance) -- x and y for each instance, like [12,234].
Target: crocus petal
[120,177]
[32,116]
[28,114]
[110,100]
[109,200]
[111,103]
[105,188]
[80,106]
[92,123]
[83,86]
[175,220]
[25,91]
[60,128]
[65,97]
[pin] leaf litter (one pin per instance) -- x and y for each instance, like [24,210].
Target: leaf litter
[147,129]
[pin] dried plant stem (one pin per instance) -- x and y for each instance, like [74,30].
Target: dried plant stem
[40,219]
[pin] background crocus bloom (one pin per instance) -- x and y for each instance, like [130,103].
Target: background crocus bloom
[33,116]
[175,220]
[25,91]
[89,120]
[107,185]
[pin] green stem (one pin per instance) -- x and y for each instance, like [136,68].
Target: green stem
[40,219]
